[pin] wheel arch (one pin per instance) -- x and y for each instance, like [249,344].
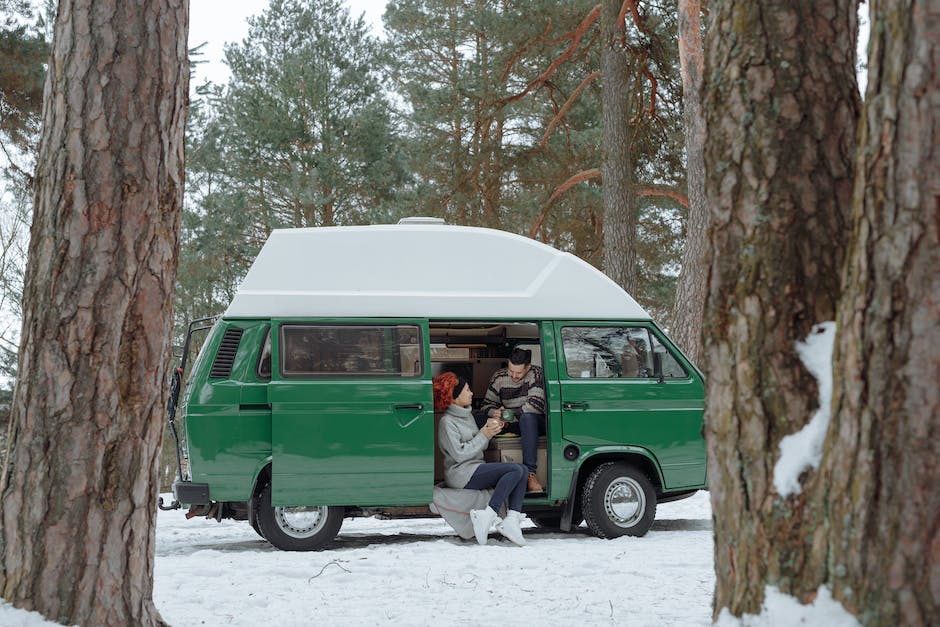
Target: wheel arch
[640,458]
[261,474]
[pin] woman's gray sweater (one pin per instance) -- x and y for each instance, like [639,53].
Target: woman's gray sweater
[462,445]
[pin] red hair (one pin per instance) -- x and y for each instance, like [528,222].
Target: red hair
[444,385]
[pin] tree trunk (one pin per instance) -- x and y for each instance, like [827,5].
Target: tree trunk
[616,165]
[880,474]
[781,109]
[79,489]
[693,279]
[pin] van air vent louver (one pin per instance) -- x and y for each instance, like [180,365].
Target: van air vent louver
[222,366]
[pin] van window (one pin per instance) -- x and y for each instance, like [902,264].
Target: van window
[670,366]
[616,352]
[264,358]
[351,351]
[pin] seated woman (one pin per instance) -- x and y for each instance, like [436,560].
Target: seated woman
[462,446]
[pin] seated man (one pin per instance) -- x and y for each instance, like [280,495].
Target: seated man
[519,387]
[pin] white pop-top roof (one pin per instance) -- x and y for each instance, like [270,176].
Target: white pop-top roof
[423,271]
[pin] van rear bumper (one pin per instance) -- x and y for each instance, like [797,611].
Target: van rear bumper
[191,493]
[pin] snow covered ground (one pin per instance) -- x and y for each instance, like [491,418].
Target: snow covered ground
[418,572]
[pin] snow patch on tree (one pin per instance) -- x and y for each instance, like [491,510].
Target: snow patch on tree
[803,449]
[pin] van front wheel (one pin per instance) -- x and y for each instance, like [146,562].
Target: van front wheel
[618,500]
[297,528]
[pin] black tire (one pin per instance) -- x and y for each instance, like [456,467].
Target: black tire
[297,528]
[253,515]
[618,500]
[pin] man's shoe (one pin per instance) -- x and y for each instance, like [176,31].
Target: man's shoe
[511,528]
[482,520]
[534,485]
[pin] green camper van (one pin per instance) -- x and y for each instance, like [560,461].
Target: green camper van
[311,399]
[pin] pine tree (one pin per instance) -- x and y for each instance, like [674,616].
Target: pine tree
[23,53]
[692,283]
[78,489]
[504,103]
[781,105]
[300,136]
[878,479]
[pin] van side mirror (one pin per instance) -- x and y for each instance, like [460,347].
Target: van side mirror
[658,367]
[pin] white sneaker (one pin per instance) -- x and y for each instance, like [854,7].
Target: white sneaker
[510,527]
[482,520]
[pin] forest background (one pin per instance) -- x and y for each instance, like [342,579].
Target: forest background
[481,113]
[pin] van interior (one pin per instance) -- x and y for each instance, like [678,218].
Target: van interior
[474,351]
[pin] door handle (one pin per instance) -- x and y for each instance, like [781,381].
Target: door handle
[574,405]
[415,406]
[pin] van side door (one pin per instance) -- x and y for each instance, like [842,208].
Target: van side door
[624,384]
[352,413]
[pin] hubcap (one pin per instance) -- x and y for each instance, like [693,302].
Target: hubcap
[624,502]
[300,522]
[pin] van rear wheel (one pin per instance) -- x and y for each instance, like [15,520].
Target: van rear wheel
[305,528]
[253,516]
[618,500]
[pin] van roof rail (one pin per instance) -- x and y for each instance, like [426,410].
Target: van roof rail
[421,220]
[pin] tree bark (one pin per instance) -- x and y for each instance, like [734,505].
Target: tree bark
[880,473]
[79,489]
[781,107]
[616,164]
[693,278]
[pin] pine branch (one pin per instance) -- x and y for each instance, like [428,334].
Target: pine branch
[575,38]
[647,191]
[633,8]
[564,109]
[26,175]
[653,86]
[584,175]
[663,191]
[333,563]
[522,50]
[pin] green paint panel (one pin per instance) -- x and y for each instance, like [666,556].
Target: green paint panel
[227,422]
[353,441]
[349,443]
[664,418]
